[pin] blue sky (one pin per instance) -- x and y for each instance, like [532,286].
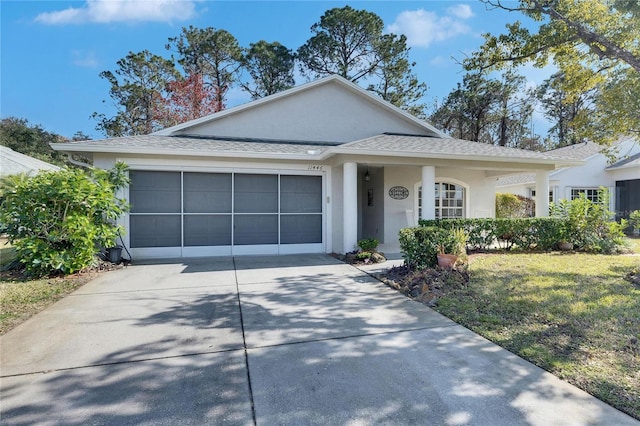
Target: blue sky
[53,51]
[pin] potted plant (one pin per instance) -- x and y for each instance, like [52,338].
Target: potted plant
[452,246]
[565,237]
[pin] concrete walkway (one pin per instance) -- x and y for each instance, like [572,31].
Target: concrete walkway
[267,340]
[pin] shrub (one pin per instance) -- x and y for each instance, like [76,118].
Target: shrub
[419,246]
[511,205]
[634,221]
[368,244]
[535,233]
[56,220]
[589,225]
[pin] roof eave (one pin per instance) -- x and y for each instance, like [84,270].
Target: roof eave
[186,153]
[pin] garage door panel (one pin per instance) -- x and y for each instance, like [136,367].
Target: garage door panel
[155,231]
[155,192]
[255,229]
[301,194]
[301,229]
[207,193]
[255,193]
[207,230]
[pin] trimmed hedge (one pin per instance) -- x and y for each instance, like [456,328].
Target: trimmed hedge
[531,233]
[419,245]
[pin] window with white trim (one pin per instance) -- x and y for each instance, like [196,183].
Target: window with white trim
[450,201]
[590,193]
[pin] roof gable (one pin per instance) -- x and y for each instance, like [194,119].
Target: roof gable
[331,109]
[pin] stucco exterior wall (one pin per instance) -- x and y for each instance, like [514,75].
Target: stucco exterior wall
[338,116]
[398,214]
[629,173]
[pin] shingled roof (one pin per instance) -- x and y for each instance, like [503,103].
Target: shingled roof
[431,147]
[13,163]
[383,145]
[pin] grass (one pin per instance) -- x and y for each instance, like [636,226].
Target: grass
[21,298]
[573,314]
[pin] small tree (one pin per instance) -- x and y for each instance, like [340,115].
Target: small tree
[56,220]
[511,205]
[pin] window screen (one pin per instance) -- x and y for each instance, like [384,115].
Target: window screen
[256,193]
[207,193]
[154,192]
[207,230]
[300,228]
[155,231]
[301,194]
[255,229]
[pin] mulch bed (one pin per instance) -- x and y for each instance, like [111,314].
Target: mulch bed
[19,274]
[427,285]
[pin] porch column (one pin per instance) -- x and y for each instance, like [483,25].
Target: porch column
[542,193]
[428,192]
[349,206]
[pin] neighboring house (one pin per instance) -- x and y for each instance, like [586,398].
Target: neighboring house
[15,163]
[616,168]
[310,169]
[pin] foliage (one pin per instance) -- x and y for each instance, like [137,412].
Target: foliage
[186,99]
[270,66]
[397,84]
[138,86]
[351,43]
[594,45]
[511,205]
[634,220]
[368,244]
[486,110]
[589,224]
[32,140]
[215,55]
[565,111]
[420,245]
[533,233]
[56,219]
[344,43]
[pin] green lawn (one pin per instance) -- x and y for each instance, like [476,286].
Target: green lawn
[21,298]
[572,314]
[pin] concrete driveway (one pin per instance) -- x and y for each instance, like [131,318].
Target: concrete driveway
[267,340]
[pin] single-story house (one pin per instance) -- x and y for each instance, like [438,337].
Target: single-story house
[15,163]
[311,169]
[616,168]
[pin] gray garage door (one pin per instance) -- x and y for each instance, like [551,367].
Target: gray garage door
[190,210]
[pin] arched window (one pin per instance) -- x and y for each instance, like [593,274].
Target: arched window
[450,201]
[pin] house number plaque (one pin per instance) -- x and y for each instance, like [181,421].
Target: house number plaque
[398,192]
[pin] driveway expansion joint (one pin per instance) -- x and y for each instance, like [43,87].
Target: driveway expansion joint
[244,343]
[106,364]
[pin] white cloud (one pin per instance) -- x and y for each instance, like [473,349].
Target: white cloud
[84,59]
[106,11]
[462,11]
[423,28]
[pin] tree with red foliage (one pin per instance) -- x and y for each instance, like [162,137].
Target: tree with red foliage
[187,99]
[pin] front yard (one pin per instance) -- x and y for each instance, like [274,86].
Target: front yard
[575,315]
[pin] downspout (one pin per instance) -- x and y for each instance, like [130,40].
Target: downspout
[76,162]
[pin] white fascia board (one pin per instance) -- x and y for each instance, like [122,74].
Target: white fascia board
[188,153]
